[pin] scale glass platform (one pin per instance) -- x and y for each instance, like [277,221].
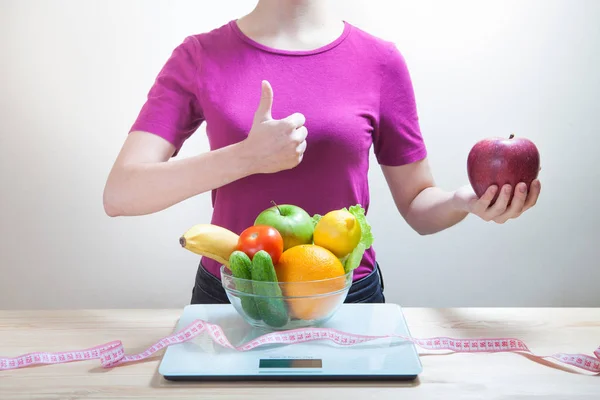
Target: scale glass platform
[382,359]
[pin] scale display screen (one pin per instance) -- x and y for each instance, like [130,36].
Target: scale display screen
[290,363]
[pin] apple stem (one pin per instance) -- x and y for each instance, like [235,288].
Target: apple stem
[512,135]
[275,204]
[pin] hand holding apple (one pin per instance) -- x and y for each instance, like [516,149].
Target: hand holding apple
[505,207]
[500,161]
[503,175]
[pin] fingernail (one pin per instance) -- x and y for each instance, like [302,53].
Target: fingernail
[507,189]
[522,188]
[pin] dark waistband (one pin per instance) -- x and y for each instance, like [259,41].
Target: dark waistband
[366,287]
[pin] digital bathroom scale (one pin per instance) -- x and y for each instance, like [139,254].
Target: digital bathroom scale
[200,359]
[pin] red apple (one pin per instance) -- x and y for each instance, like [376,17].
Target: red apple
[499,161]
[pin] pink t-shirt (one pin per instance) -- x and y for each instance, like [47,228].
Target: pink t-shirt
[356,94]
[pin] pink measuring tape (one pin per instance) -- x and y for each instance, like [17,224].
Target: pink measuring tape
[112,354]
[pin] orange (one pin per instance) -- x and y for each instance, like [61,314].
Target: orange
[338,231]
[298,267]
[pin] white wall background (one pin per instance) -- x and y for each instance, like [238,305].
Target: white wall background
[73,75]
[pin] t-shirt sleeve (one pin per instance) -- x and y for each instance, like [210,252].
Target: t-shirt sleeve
[171,109]
[397,138]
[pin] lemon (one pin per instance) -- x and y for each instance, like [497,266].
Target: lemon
[338,231]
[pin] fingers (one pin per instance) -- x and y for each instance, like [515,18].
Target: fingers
[501,202]
[299,135]
[516,205]
[301,148]
[522,200]
[480,206]
[534,193]
[518,201]
[263,112]
[295,120]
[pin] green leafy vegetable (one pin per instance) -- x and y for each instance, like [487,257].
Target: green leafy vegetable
[352,261]
[366,237]
[316,219]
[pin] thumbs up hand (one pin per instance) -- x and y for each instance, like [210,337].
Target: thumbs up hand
[275,145]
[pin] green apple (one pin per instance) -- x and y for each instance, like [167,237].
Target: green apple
[293,223]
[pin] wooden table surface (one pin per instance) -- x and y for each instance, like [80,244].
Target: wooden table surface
[451,376]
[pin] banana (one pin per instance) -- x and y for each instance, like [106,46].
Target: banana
[210,241]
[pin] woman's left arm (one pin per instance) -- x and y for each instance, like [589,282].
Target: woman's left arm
[429,209]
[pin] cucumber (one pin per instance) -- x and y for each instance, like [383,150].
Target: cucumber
[272,310]
[241,267]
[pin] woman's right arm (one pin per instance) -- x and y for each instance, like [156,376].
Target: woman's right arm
[144,179]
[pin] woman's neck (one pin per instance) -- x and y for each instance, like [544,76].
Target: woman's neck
[291,24]
[291,15]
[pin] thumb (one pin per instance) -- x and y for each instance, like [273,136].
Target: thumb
[263,113]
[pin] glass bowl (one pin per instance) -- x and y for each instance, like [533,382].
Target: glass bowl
[285,305]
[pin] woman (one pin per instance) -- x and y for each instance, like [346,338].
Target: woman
[293,100]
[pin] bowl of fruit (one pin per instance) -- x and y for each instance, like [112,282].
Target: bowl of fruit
[289,269]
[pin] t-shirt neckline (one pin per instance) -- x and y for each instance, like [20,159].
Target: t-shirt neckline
[347,29]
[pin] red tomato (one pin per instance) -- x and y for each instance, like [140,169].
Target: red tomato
[261,237]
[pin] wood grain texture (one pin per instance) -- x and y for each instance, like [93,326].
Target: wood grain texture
[452,376]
